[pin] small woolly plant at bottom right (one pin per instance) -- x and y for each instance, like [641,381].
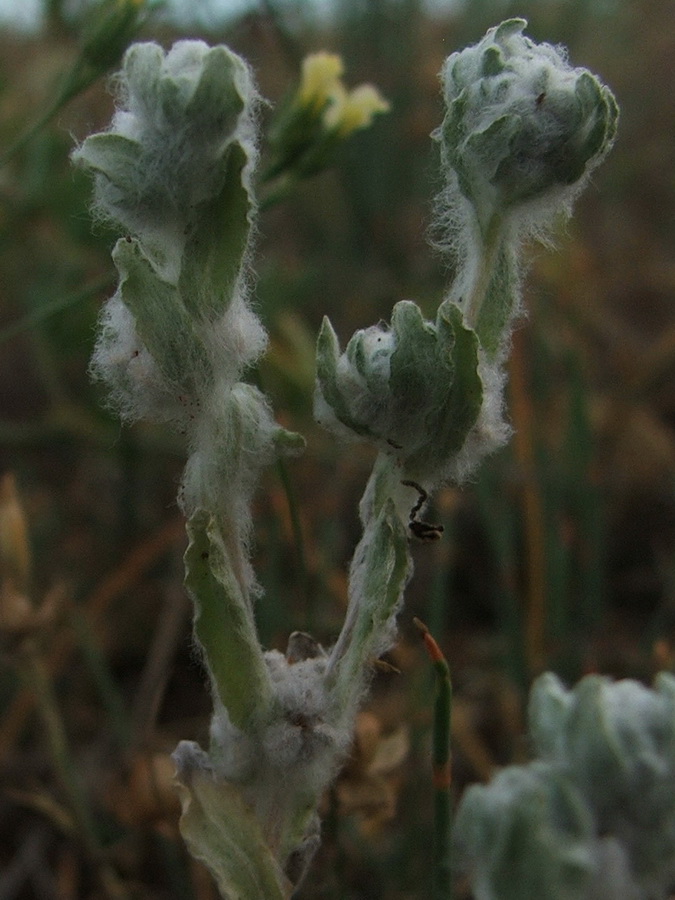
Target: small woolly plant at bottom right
[592,817]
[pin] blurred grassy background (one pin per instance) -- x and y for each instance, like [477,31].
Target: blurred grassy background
[559,554]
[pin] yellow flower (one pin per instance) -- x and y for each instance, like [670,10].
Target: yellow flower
[321,73]
[355,109]
[320,116]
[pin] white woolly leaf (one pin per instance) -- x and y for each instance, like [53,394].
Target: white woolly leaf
[548,708]
[527,835]
[112,156]
[327,358]
[214,251]
[222,831]
[223,89]
[224,625]
[162,321]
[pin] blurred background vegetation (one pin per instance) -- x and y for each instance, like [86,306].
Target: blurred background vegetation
[558,554]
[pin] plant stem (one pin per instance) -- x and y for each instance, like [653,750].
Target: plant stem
[442,774]
[533,513]
[490,243]
[374,498]
[74,83]
[47,310]
[298,537]
[40,680]
[109,690]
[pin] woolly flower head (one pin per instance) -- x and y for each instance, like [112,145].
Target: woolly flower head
[522,126]
[167,150]
[414,389]
[174,170]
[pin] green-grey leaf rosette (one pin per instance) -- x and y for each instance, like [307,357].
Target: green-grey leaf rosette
[593,816]
[527,835]
[617,741]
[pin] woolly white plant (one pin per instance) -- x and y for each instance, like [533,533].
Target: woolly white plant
[593,816]
[175,171]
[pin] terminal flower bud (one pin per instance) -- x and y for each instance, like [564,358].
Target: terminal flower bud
[521,123]
[179,146]
[411,388]
[174,170]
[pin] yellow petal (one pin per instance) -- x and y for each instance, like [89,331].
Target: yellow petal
[321,74]
[356,109]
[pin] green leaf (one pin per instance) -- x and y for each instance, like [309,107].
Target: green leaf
[465,394]
[224,625]
[213,255]
[435,384]
[327,356]
[171,100]
[143,64]
[217,102]
[454,127]
[161,319]
[596,100]
[222,832]
[289,443]
[508,28]
[492,145]
[418,373]
[492,62]
[114,156]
